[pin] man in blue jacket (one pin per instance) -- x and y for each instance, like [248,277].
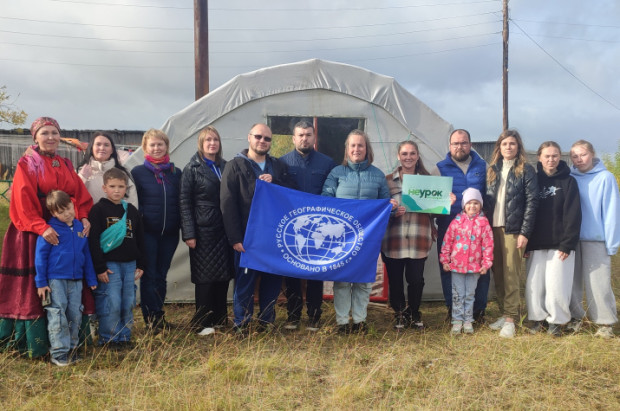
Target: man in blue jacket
[309,169]
[468,170]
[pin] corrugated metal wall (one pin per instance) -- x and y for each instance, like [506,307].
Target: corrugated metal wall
[13,143]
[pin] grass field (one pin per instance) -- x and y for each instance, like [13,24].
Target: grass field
[303,370]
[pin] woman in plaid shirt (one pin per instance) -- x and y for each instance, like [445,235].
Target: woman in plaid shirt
[406,244]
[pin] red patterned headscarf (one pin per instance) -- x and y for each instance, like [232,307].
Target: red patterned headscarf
[41,122]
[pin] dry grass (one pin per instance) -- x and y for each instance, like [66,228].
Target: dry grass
[285,370]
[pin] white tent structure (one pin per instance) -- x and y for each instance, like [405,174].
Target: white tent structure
[309,89]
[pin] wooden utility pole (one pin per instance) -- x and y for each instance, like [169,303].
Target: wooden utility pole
[201,48]
[505,66]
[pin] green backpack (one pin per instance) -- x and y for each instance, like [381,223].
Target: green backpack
[113,236]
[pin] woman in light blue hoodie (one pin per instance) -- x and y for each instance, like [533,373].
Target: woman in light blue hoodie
[599,240]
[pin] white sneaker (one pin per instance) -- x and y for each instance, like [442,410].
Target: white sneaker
[456,327]
[508,330]
[207,331]
[497,325]
[291,325]
[468,328]
[604,331]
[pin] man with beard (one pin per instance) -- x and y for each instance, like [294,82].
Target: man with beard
[309,169]
[468,170]
[236,192]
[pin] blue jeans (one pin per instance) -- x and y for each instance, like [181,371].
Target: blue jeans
[160,249]
[115,301]
[463,291]
[353,297]
[243,296]
[482,289]
[64,316]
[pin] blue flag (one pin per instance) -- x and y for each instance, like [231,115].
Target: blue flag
[303,235]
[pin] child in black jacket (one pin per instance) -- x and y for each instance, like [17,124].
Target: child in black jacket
[118,259]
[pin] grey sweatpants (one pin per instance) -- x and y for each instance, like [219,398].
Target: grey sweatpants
[548,286]
[593,270]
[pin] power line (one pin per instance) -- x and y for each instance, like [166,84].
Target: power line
[247,51]
[95,25]
[255,67]
[357,47]
[281,40]
[410,6]
[583,83]
[143,66]
[428,53]
[276,9]
[374,35]
[95,3]
[251,28]
[95,49]
[357,26]
[96,38]
[568,24]
[575,38]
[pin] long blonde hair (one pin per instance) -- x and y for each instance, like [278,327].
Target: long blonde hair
[520,159]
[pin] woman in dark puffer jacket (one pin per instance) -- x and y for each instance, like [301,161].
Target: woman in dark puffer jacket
[157,184]
[512,188]
[210,255]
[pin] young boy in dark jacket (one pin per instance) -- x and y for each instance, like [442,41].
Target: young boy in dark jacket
[60,270]
[119,266]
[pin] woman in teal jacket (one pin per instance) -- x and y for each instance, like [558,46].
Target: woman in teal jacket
[356,179]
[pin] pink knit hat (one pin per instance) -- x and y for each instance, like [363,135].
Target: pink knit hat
[471,194]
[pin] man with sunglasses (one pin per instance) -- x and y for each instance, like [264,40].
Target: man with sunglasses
[236,192]
[467,169]
[309,169]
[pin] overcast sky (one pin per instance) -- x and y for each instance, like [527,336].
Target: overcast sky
[128,64]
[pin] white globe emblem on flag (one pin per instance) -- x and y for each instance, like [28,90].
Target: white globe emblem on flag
[320,239]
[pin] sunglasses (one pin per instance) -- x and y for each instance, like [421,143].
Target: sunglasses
[261,137]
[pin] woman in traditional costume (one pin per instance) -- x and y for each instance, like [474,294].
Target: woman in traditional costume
[39,171]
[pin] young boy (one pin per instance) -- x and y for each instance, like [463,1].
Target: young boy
[118,264]
[60,270]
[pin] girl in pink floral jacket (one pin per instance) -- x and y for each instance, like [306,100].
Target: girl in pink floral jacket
[467,251]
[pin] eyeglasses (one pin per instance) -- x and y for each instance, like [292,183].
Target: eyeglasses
[463,144]
[261,137]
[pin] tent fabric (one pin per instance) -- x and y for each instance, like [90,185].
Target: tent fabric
[314,74]
[269,84]
[312,88]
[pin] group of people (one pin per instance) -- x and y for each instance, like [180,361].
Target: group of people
[94,227]
[564,219]
[89,227]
